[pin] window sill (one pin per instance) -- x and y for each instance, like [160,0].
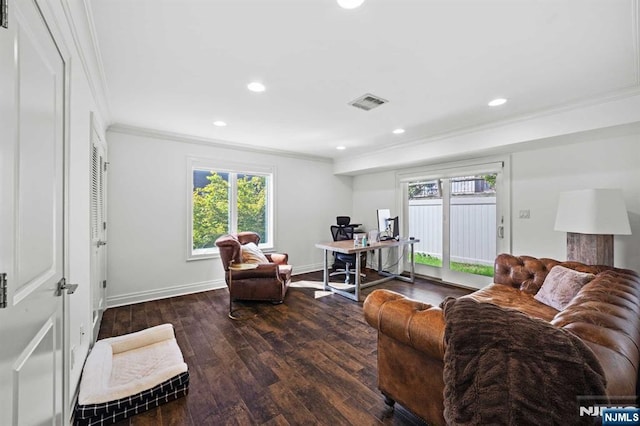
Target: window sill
[193,257]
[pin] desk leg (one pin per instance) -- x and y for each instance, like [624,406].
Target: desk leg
[379,261]
[325,279]
[413,264]
[358,268]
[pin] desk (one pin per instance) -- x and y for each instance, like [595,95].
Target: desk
[346,246]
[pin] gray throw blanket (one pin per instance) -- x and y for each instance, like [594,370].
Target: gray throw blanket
[502,367]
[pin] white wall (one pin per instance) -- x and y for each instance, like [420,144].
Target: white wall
[147,213]
[606,158]
[540,175]
[84,98]
[80,309]
[372,192]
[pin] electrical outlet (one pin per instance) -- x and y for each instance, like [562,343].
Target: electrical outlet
[524,214]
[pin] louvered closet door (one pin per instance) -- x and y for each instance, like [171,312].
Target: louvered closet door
[98,229]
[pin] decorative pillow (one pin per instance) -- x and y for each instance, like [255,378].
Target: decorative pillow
[252,254]
[560,285]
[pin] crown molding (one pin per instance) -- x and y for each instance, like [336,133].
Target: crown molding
[626,92]
[97,84]
[214,143]
[561,126]
[632,89]
[95,46]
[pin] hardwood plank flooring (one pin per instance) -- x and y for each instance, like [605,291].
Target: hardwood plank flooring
[308,361]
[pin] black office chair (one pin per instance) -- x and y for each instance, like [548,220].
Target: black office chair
[343,230]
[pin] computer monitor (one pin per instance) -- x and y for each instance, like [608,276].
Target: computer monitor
[388,226]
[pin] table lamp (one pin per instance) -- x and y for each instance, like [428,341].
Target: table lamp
[591,217]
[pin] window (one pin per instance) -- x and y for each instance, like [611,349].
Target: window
[228,200]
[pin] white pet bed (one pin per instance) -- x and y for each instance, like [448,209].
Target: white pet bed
[130,374]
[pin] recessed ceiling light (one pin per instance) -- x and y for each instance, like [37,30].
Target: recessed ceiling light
[219,123]
[398,131]
[341,148]
[256,87]
[350,4]
[497,102]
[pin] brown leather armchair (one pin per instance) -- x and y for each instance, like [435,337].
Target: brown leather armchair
[264,282]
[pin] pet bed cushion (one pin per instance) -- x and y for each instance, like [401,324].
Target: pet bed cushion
[130,374]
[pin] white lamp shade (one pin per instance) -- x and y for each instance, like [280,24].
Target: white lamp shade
[593,211]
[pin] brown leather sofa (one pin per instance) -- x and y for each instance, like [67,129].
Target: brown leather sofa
[605,314]
[266,282]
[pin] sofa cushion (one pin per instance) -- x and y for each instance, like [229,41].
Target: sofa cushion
[512,298]
[561,285]
[252,254]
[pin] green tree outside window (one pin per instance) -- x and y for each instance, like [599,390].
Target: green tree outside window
[211,207]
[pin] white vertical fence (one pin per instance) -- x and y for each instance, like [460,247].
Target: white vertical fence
[473,228]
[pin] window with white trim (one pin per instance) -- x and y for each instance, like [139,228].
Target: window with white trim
[228,200]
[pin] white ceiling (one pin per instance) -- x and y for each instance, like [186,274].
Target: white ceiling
[179,65]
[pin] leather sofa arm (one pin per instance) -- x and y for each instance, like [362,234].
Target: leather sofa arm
[417,324]
[278,258]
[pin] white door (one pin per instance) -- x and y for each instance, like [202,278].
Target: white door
[32,230]
[458,215]
[98,229]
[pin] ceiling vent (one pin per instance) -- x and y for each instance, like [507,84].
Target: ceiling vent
[368,102]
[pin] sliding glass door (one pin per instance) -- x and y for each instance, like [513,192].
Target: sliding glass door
[459,219]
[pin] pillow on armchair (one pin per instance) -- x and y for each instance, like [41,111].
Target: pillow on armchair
[561,285]
[252,254]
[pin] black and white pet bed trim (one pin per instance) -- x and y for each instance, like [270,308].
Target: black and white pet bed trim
[114,411]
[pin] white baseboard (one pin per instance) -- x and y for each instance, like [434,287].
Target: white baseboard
[163,293]
[181,290]
[303,269]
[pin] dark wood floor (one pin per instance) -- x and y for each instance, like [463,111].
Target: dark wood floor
[308,361]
